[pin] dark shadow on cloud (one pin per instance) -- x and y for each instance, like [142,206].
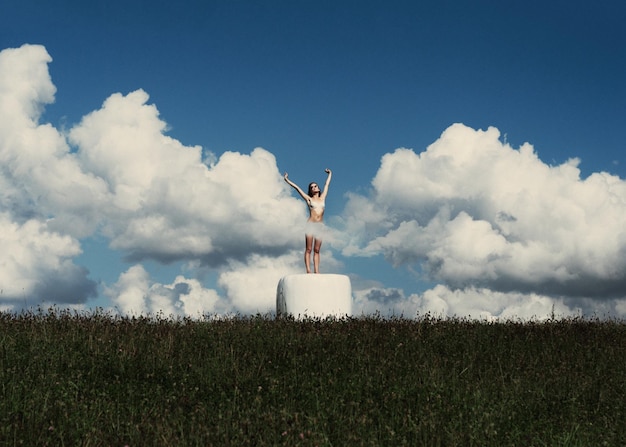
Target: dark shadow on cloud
[21,209]
[217,258]
[241,254]
[173,294]
[182,288]
[593,308]
[385,296]
[585,286]
[70,287]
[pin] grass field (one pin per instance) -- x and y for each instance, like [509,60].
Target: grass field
[99,380]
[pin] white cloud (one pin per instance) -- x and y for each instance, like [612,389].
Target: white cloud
[251,285]
[501,230]
[36,266]
[196,300]
[135,293]
[477,303]
[25,85]
[167,203]
[130,293]
[490,305]
[39,175]
[385,302]
[150,195]
[46,200]
[249,288]
[474,212]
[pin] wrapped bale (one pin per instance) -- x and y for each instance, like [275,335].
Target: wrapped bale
[314,296]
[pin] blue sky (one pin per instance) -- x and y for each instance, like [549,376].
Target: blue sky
[321,84]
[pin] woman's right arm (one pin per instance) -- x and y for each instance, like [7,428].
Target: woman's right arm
[296,187]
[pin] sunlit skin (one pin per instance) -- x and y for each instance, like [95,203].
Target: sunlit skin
[315,200]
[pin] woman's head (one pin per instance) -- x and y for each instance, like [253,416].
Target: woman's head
[314,189]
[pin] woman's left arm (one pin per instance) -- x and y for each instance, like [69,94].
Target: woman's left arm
[327,184]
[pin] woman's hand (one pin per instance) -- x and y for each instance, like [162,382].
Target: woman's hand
[286,176]
[327,171]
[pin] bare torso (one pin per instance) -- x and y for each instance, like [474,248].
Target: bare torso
[316,209]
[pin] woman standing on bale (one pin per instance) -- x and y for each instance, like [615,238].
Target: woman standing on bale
[316,200]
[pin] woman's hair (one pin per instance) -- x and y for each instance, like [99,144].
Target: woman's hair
[310,187]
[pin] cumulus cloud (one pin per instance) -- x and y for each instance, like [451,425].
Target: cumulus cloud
[476,214]
[37,266]
[502,232]
[251,285]
[136,293]
[40,176]
[247,287]
[117,174]
[385,302]
[479,303]
[167,203]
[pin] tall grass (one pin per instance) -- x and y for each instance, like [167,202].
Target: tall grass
[92,380]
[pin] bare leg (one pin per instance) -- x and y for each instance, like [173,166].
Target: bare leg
[308,243]
[316,255]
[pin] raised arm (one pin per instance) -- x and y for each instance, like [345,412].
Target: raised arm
[297,188]
[330,175]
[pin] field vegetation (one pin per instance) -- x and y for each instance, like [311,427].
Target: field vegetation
[101,380]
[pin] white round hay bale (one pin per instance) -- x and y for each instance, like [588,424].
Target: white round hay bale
[314,295]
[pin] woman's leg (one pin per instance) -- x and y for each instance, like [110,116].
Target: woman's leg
[316,255]
[308,244]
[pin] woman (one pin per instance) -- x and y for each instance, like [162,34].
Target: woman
[315,199]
